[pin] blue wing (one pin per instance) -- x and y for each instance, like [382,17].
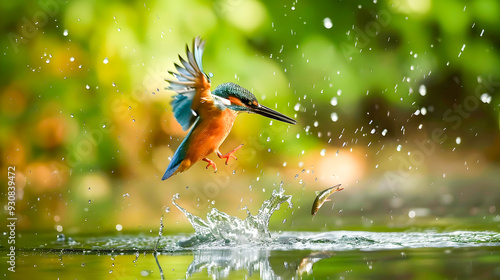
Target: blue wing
[178,157]
[185,85]
[182,109]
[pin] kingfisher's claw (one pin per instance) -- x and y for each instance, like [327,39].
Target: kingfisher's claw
[230,154]
[210,163]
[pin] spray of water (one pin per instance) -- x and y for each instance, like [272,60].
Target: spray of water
[220,226]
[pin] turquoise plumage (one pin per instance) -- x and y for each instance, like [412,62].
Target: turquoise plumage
[179,155]
[210,114]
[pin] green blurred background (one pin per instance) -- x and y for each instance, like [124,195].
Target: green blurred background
[396,100]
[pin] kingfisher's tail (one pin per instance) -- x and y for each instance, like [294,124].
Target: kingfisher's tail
[174,164]
[179,156]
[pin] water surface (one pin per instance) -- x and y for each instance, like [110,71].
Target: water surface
[287,255]
[226,247]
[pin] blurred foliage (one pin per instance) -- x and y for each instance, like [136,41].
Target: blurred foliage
[86,120]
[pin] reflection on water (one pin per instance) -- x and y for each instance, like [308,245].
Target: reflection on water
[220,263]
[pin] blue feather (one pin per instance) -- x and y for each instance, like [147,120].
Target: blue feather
[178,157]
[198,48]
[185,85]
[182,109]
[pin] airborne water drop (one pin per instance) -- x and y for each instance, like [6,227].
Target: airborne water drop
[422,90]
[327,22]
[334,117]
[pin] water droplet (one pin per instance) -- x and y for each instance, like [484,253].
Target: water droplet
[105,61]
[398,148]
[411,214]
[126,195]
[458,140]
[119,227]
[373,131]
[87,87]
[486,98]
[167,210]
[47,61]
[334,101]
[384,132]
[334,117]
[327,22]
[65,32]
[60,237]
[297,107]
[71,59]
[323,152]
[422,90]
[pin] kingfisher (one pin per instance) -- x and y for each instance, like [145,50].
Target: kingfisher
[211,114]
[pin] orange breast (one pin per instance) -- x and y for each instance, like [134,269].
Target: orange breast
[208,136]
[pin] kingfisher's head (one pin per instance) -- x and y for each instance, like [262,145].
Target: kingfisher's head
[241,99]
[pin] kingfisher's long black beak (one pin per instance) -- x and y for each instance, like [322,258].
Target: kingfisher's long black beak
[270,113]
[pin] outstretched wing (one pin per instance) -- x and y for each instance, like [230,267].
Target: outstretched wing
[192,86]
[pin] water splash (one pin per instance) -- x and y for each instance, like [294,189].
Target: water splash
[220,226]
[290,255]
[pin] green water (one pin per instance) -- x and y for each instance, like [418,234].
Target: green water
[287,255]
[226,247]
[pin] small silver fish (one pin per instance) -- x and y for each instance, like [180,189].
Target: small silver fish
[322,197]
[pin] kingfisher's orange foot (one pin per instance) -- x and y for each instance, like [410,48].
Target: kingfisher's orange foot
[210,163]
[230,154]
